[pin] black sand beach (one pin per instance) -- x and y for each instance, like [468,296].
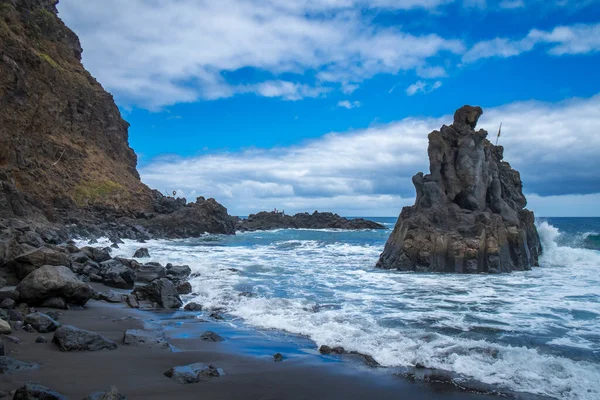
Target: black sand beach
[138,371]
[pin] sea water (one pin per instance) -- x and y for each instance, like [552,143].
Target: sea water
[536,331]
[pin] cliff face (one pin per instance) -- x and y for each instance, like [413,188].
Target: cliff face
[63,142]
[469,213]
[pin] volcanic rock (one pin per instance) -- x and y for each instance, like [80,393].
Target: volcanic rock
[266,220]
[192,373]
[469,215]
[142,252]
[53,281]
[160,291]
[69,338]
[41,322]
[34,391]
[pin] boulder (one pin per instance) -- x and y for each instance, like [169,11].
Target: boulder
[161,291]
[144,338]
[110,296]
[41,339]
[210,336]
[469,214]
[184,288]
[142,252]
[7,304]
[70,338]
[28,262]
[5,328]
[193,373]
[192,307]
[41,322]
[278,357]
[53,281]
[96,253]
[148,273]
[115,274]
[10,365]
[34,391]
[111,394]
[178,272]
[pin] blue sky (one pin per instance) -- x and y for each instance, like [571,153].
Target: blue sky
[326,104]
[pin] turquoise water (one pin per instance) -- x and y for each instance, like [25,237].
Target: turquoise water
[536,331]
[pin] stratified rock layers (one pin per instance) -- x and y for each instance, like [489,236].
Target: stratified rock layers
[469,215]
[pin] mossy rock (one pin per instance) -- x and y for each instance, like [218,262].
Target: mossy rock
[49,60]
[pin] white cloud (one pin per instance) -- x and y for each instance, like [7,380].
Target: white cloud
[575,39]
[368,172]
[154,54]
[348,104]
[422,87]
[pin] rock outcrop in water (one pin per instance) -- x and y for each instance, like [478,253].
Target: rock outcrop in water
[469,215]
[266,220]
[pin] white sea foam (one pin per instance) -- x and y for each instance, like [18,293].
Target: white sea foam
[509,330]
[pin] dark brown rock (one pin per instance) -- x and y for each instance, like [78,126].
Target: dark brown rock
[469,214]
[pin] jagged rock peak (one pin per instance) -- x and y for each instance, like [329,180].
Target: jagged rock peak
[469,214]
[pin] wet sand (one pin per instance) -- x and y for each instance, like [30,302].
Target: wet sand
[138,372]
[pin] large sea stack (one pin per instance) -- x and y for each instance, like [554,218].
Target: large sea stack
[469,215]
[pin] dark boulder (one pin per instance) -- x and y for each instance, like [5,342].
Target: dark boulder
[69,338]
[192,307]
[469,215]
[184,288]
[28,262]
[7,304]
[41,322]
[193,373]
[115,274]
[53,281]
[178,272]
[148,273]
[41,339]
[161,291]
[110,296]
[34,391]
[210,336]
[144,338]
[96,253]
[141,253]
[278,357]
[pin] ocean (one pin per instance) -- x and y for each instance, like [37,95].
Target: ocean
[535,332]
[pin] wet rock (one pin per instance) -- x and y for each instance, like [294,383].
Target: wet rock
[161,291]
[210,336]
[217,316]
[41,322]
[469,214]
[7,304]
[141,253]
[148,273]
[144,338]
[70,338]
[10,365]
[26,263]
[9,293]
[111,394]
[184,288]
[277,357]
[331,350]
[5,328]
[178,272]
[132,301]
[41,339]
[53,281]
[193,373]
[192,307]
[34,391]
[97,254]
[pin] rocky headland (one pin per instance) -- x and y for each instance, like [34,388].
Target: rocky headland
[469,215]
[269,220]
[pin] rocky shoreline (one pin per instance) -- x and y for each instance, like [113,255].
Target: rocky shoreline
[269,220]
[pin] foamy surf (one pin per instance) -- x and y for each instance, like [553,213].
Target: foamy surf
[534,332]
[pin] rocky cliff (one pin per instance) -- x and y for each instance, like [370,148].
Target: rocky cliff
[275,220]
[469,215]
[64,143]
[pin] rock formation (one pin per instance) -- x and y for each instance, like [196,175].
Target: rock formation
[266,220]
[469,215]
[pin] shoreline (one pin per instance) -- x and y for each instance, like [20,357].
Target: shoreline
[245,357]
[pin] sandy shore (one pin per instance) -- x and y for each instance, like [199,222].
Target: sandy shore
[249,374]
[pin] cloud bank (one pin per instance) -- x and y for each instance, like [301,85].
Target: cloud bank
[368,172]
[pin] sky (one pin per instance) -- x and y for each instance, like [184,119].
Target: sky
[326,104]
